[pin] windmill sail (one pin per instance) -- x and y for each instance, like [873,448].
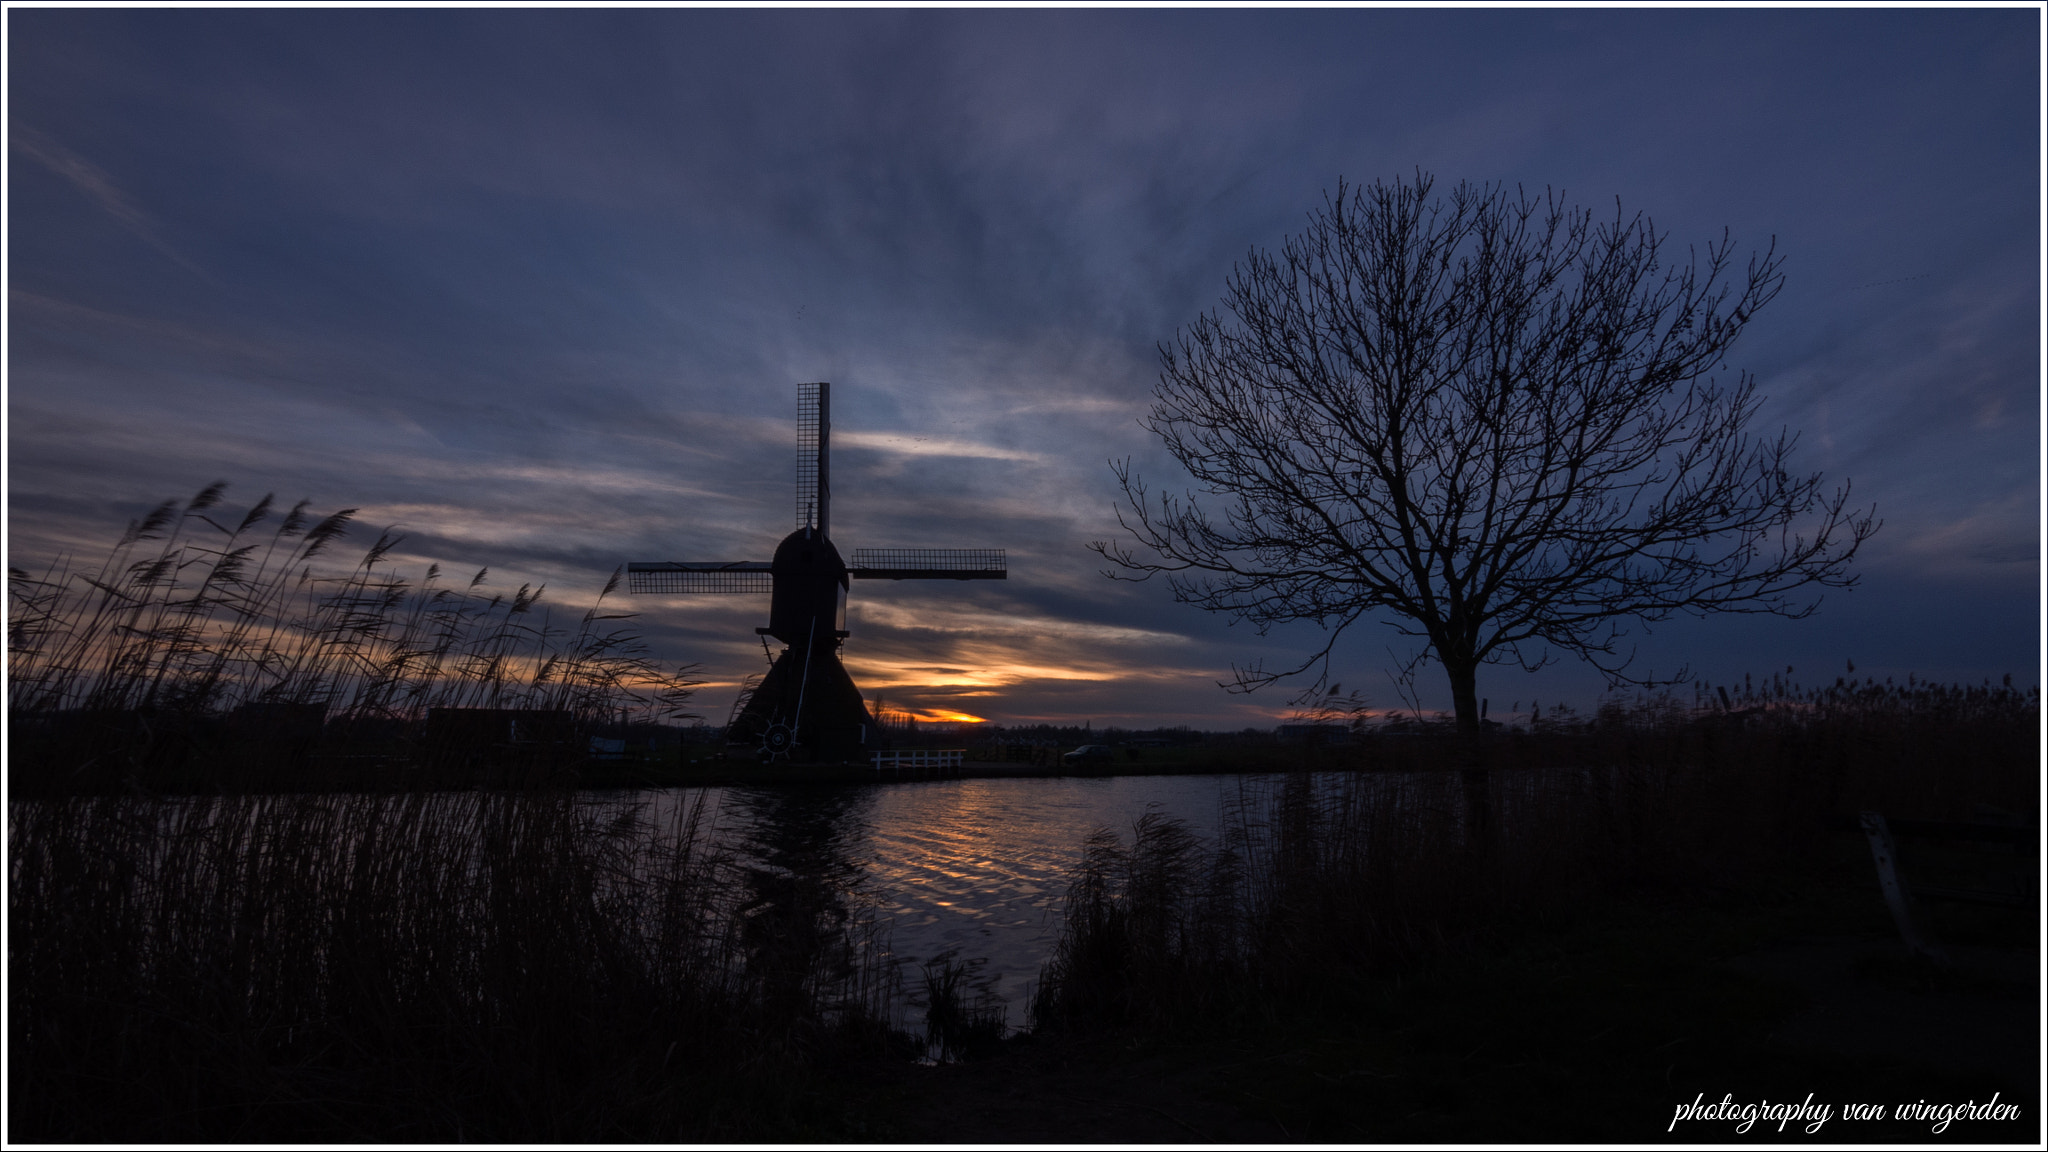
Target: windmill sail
[665,578]
[813,457]
[929,564]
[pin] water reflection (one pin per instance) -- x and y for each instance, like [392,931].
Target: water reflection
[976,868]
[797,851]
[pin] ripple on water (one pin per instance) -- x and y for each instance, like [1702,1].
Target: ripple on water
[978,868]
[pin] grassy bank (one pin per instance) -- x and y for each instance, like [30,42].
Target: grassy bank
[1596,1024]
[1369,871]
[1592,1025]
[1392,970]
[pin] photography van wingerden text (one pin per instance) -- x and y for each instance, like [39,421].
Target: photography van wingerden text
[1811,1116]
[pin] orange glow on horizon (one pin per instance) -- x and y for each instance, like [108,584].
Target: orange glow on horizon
[937,715]
[985,675]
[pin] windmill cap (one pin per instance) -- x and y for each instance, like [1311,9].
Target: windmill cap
[805,550]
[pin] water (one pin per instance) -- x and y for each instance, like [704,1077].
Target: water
[976,868]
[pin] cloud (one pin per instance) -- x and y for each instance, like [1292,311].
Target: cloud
[972,621]
[904,445]
[1998,538]
[97,186]
[100,325]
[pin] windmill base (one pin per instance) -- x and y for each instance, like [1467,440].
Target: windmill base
[811,694]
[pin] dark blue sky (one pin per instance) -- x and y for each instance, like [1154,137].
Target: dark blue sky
[538,286]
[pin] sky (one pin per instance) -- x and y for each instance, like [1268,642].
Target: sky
[537,287]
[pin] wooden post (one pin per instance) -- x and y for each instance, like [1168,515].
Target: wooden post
[1896,894]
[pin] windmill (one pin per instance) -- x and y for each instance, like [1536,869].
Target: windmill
[807,703]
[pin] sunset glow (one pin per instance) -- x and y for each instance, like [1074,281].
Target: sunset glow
[941,716]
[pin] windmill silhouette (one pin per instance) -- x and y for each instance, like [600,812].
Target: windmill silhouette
[808,705]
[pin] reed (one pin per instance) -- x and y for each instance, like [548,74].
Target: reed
[964,1019]
[203,651]
[1333,878]
[505,967]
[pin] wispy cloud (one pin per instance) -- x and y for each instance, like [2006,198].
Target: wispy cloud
[97,186]
[978,621]
[911,445]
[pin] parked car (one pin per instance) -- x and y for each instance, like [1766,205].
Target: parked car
[1090,754]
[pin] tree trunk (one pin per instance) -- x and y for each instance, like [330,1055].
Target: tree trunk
[1473,776]
[1464,675]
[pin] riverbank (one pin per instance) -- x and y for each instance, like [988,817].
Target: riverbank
[1596,1028]
[1879,738]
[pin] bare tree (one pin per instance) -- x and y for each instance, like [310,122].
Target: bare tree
[1491,420]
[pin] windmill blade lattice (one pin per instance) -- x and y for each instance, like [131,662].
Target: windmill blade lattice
[813,456]
[682,579]
[928,564]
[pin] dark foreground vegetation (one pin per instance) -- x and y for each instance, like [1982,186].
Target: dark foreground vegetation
[1591,1025]
[294,856]
[1351,949]
[421,968]
[1364,872]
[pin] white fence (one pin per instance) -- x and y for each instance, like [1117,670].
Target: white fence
[920,758]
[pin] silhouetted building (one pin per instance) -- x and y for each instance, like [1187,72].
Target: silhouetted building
[807,706]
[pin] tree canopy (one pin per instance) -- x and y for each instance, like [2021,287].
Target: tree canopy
[1491,419]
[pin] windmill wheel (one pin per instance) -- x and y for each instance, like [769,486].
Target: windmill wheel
[777,741]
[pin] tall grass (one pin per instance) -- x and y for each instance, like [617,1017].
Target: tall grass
[1339,876]
[504,967]
[200,631]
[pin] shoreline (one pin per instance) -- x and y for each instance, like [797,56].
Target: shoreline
[725,774]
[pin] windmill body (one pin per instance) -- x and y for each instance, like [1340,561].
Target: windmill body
[808,706]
